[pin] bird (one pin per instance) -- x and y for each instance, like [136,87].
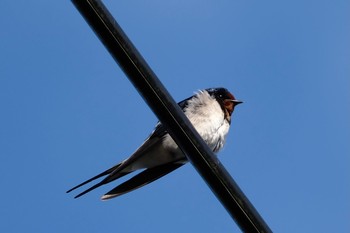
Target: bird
[209,111]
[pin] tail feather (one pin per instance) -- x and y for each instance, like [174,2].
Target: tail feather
[147,176]
[104,181]
[94,178]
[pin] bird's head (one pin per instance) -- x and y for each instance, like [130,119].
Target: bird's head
[226,100]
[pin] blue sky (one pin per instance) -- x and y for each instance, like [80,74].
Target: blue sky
[68,112]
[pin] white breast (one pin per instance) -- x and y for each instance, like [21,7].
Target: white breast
[207,117]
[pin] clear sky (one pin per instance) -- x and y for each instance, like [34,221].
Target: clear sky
[68,113]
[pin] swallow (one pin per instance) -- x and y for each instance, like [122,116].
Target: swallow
[209,111]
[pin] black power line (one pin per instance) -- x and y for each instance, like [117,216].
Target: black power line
[169,113]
